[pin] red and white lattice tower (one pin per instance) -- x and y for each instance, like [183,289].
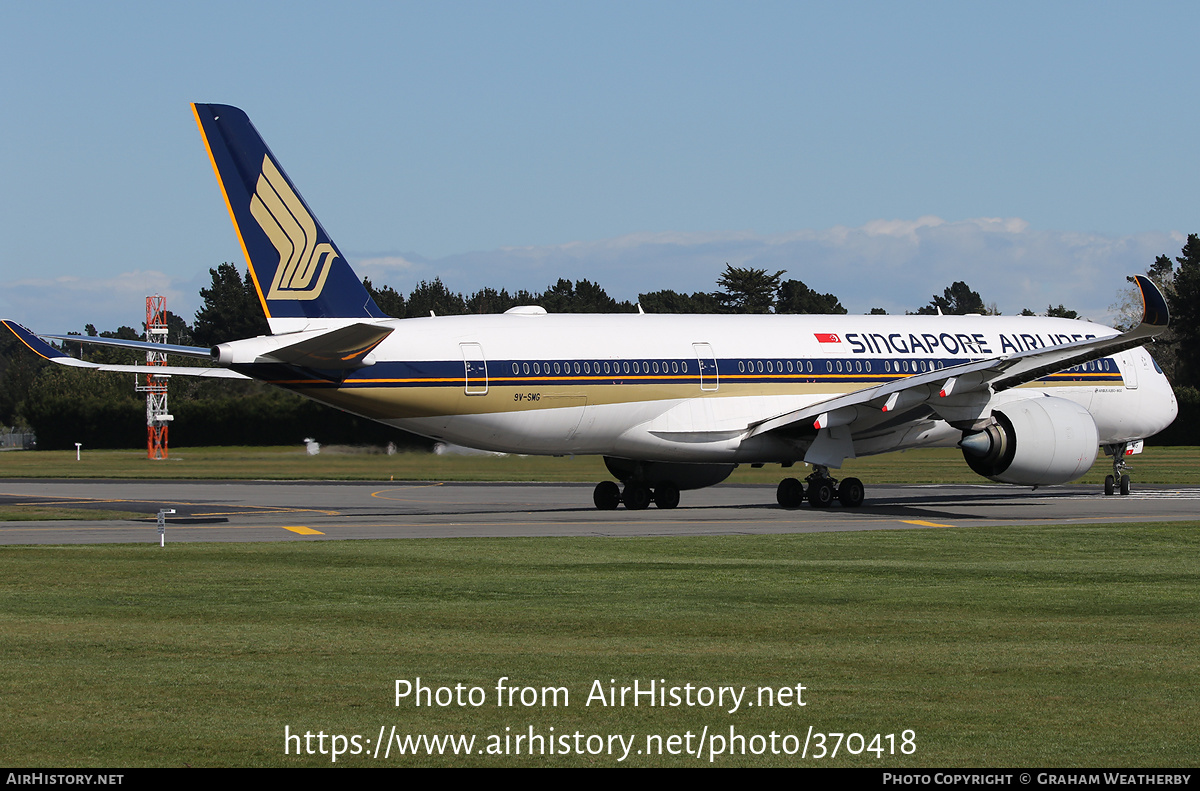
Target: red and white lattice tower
[155,385]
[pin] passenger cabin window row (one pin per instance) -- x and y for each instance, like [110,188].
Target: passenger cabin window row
[610,367]
[661,367]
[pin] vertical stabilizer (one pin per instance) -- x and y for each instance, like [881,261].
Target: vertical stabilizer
[299,273]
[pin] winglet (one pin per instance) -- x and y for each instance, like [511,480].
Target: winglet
[35,344]
[1154,306]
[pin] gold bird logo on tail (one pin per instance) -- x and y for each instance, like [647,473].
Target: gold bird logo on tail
[303,264]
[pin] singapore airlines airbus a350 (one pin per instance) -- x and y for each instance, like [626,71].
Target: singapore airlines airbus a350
[674,402]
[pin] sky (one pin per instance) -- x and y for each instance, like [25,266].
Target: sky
[876,151]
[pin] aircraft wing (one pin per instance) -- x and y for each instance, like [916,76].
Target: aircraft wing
[960,382]
[48,352]
[120,343]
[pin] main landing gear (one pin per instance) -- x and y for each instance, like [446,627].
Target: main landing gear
[1119,477]
[658,482]
[822,490]
[607,496]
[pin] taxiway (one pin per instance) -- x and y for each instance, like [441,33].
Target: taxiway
[323,510]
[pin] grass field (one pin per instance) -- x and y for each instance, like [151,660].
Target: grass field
[1157,465]
[1063,646]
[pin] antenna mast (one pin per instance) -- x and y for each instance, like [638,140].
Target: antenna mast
[155,387]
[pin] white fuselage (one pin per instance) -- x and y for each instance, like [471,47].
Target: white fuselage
[686,388]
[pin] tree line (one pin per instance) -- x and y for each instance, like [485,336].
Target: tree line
[64,406]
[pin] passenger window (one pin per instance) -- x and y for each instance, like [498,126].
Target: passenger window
[526,367]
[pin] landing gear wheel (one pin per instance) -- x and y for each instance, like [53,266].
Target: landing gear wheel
[666,495]
[636,498]
[607,496]
[820,493]
[1119,478]
[790,493]
[850,493]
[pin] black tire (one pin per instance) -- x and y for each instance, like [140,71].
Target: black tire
[666,495]
[607,496]
[790,493]
[820,494]
[1124,484]
[637,498]
[851,493]
[1110,485]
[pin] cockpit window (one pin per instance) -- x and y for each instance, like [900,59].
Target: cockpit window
[1154,362]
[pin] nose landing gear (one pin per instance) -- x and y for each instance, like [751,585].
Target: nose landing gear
[1120,476]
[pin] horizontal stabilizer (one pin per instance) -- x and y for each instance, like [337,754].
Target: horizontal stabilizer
[338,349]
[341,349]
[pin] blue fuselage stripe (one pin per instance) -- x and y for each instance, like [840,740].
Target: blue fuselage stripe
[773,371]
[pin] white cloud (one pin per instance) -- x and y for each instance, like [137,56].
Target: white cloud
[894,264]
[68,302]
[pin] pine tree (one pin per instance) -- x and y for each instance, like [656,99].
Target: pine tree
[231,309]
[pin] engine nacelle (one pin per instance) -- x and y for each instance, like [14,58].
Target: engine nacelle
[654,473]
[1034,442]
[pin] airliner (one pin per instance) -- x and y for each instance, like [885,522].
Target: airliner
[673,402]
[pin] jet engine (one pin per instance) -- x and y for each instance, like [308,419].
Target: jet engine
[1034,442]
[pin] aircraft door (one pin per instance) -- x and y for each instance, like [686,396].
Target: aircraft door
[475,378]
[710,379]
[1129,372]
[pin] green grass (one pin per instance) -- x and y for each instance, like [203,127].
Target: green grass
[1060,646]
[1157,465]
[37,513]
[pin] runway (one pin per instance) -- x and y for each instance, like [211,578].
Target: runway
[323,510]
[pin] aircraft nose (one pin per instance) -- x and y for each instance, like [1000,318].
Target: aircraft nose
[1165,406]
